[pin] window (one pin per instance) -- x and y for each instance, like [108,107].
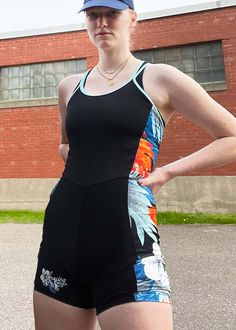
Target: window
[36,81]
[203,62]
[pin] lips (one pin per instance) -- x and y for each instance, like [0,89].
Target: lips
[102,33]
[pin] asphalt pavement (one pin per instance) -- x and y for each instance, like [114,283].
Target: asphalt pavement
[200,261]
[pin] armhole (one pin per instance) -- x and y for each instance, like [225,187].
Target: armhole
[81,81]
[138,80]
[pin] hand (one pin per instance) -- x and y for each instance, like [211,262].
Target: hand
[156,179]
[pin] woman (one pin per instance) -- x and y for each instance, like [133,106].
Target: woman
[100,253]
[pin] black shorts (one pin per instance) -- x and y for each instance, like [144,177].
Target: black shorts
[96,249]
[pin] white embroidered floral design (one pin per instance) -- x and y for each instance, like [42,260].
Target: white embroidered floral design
[54,283]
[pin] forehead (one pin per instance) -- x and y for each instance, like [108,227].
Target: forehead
[100,9]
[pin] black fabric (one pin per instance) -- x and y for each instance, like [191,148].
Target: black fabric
[90,244]
[87,240]
[104,133]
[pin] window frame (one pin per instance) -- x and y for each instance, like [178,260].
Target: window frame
[79,66]
[220,85]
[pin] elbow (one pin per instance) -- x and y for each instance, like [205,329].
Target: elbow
[63,151]
[63,145]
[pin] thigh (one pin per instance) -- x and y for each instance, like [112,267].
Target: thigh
[137,316]
[63,292]
[51,314]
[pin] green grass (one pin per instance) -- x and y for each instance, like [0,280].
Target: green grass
[165,218]
[16,216]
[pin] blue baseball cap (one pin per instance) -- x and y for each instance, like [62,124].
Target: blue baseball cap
[115,4]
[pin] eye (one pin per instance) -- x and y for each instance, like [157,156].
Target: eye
[112,13]
[95,15]
[92,15]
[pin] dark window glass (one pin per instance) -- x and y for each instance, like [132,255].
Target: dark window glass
[203,62]
[35,81]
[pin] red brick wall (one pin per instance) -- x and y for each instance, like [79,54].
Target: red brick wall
[29,137]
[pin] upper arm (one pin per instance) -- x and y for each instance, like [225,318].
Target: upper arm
[188,98]
[62,111]
[65,89]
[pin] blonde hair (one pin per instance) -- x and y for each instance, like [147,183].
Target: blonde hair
[133,29]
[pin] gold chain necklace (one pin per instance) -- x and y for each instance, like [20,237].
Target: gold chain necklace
[110,72]
[110,80]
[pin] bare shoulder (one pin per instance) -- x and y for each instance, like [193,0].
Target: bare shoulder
[187,97]
[156,86]
[176,86]
[173,80]
[66,87]
[72,79]
[164,73]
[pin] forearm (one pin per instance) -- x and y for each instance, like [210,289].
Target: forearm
[63,150]
[218,153]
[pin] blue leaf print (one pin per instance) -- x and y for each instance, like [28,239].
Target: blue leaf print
[138,203]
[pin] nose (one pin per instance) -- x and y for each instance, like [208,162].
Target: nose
[102,20]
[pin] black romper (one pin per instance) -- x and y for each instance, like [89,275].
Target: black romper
[100,245]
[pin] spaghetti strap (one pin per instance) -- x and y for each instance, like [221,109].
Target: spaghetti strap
[84,78]
[139,68]
[138,81]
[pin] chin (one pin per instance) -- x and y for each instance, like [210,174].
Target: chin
[105,45]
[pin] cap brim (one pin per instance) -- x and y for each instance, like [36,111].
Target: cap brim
[95,3]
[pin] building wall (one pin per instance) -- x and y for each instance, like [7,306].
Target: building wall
[211,194]
[29,136]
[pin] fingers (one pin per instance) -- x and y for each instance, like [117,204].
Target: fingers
[149,180]
[152,181]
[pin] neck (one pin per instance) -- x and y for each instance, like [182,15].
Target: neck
[110,60]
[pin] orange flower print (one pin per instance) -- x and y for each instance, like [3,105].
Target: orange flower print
[153,214]
[144,158]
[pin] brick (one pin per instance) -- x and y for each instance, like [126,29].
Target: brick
[29,136]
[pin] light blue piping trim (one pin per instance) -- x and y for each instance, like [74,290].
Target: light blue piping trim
[78,85]
[81,85]
[82,81]
[137,70]
[147,96]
